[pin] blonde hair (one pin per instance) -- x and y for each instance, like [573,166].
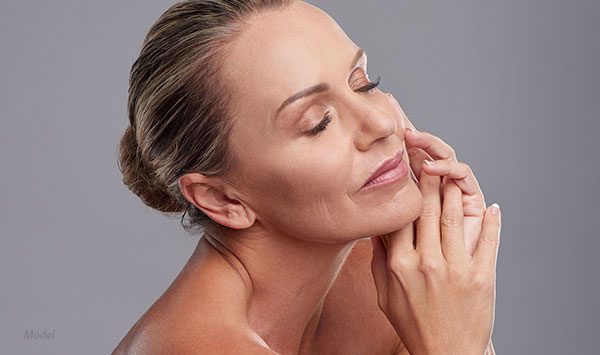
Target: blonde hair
[178,103]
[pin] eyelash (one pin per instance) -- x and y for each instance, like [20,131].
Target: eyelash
[323,124]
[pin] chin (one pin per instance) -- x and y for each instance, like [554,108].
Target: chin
[408,210]
[413,209]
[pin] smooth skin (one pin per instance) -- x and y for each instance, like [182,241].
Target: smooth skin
[292,274]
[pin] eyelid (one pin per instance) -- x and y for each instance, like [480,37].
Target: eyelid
[362,64]
[362,78]
[359,67]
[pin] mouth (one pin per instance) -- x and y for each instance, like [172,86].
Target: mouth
[386,166]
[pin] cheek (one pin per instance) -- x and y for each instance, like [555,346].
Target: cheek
[305,181]
[306,187]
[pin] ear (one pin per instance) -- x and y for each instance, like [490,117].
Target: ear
[213,197]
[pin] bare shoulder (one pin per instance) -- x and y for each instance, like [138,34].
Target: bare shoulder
[352,322]
[213,339]
[189,325]
[194,315]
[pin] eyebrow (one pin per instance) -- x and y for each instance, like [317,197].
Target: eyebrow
[317,88]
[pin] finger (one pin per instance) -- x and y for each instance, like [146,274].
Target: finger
[379,270]
[486,253]
[434,146]
[453,241]
[460,172]
[473,199]
[416,157]
[400,242]
[428,223]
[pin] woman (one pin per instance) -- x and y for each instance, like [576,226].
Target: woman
[257,120]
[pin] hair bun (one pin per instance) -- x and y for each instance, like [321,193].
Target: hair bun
[141,178]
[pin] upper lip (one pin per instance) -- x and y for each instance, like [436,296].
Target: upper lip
[387,165]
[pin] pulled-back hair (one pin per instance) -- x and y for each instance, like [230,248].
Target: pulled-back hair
[178,103]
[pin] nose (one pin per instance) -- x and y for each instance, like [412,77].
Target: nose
[375,123]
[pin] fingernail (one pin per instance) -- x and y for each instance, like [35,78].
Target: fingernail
[495,208]
[412,130]
[429,162]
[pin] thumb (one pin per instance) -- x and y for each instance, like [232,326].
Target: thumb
[379,270]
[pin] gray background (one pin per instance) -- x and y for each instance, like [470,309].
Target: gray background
[512,85]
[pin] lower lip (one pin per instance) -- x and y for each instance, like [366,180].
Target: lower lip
[389,177]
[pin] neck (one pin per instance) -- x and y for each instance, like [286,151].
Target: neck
[286,281]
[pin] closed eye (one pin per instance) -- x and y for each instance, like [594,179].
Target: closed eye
[370,86]
[322,126]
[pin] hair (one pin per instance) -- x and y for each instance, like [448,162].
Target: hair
[178,104]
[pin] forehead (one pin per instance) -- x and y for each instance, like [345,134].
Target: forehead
[283,51]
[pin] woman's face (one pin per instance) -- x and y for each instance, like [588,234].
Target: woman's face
[305,185]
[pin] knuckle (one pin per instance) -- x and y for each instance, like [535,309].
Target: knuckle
[467,168]
[448,150]
[451,152]
[451,218]
[480,281]
[429,210]
[491,237]
[399,265]
[429,265]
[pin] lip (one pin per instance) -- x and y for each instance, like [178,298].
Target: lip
[386,166]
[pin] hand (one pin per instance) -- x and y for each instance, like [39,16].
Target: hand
[457,177]
[438,299]
[423,146]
